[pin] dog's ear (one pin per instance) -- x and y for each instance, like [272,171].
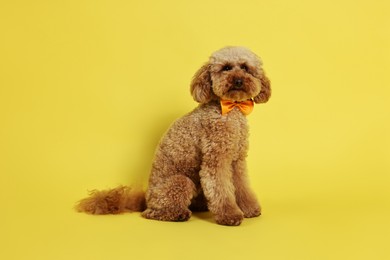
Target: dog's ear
[265,92]
[201,85]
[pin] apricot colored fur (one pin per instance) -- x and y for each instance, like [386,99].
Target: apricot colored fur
[200,162]
[113,201]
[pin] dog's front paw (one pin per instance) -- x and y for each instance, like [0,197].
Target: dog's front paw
[250,207]
[232,219]
[252,212]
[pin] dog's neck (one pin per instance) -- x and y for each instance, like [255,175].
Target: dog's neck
[246,107]
[226,106]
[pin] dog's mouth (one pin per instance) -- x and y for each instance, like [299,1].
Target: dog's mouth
[237,93]
[237,88]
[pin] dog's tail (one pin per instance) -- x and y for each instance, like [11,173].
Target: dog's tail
[113,201]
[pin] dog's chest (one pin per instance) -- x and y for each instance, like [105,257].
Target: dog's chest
[235,125]
[229,133]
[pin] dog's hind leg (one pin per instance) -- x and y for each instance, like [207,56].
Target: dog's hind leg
[169,199]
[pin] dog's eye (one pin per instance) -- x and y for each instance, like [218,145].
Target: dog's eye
[244,67]
[226,68]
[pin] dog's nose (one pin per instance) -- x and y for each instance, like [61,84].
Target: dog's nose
[238,83]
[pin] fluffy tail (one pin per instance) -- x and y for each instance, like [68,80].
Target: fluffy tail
[113,201]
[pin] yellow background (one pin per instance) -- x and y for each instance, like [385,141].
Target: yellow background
[88,87]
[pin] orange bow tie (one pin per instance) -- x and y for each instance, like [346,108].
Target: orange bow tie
[246,107]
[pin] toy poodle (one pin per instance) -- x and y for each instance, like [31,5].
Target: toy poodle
[199,164]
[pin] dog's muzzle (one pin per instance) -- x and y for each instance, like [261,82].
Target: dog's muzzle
[237,84]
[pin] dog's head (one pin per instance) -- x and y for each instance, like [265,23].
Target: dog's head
[232,73]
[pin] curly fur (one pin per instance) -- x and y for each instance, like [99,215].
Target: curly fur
[113,201]
[200,162]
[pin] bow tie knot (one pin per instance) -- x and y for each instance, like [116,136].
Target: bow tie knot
[245,107]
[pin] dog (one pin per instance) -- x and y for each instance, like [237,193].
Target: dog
[200,163]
